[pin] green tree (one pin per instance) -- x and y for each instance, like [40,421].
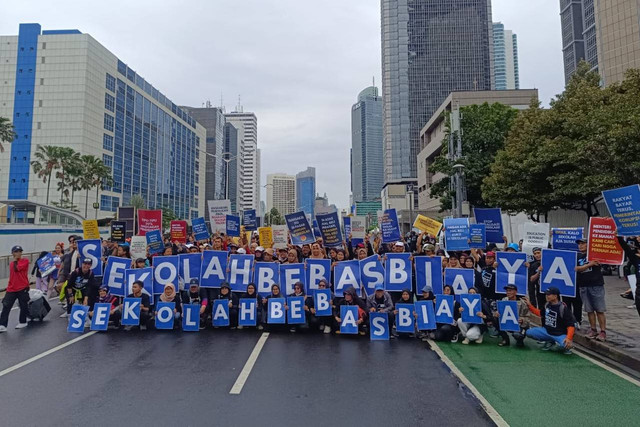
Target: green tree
[273,217]
[67,158]
[168,215]
[46,161]
[96,175]
[7,133]
[138,202]
[484,130]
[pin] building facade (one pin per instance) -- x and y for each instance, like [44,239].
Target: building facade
[63,88]
[212,119]
[505,58]
[430,48]
[306,191]
[281,193]
[367,172]
[248,158]
[230,176]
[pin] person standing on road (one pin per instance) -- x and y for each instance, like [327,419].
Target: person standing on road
[634,259]
[591,287]
[17,289]
[558,322]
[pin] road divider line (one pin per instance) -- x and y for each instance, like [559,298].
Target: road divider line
[608,368]
[46,353]
[488,408]
[244,374]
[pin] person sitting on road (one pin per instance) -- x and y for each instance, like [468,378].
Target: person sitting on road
[446,331]
[473,332]
[251,293]
[232,301]
[298,291]
[275,293]
[558,322]
[81,287]
[425,295]
[105,297]
[523,318]
[321,322]
[198,296]
[146,314]
[380,302]
[351,298]
[405,298]
[170,295]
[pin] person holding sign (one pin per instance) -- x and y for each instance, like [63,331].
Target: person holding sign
[350,298]
[105,297]
[405,298]
[252,293]
[559,322]
[275,293]
[322,322]
[534,269]
[170,295]
[42,283]
[591,286]
[232,301]
[298,291]
[523,318]
[380,302]
[17,289]
[82,287]
[472,332]
[146,315]
[448,331]
[197,296]
[634,260]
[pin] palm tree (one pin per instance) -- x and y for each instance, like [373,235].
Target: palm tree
[138,202]
[75,176]
[47,160]
[6,132]
[94,174]
[67,158]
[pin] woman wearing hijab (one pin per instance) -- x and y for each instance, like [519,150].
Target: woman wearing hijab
[275,293]
[323,323]
[351,298]
[446,331]
[298,291]
[253,294]
[105,297]
[232,302]
[405,298]
[170,295]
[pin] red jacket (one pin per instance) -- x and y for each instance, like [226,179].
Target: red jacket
[18,280]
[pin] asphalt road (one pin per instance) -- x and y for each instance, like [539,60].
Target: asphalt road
[179,378]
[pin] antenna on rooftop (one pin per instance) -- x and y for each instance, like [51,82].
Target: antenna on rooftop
[239,106]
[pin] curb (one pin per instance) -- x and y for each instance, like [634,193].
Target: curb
[609,351]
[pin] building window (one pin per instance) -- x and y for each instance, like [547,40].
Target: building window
[107,160]
[42,60]
[109,102]
[108,122]
[111,83]
[107,142]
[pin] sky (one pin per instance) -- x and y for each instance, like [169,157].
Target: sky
[298,65]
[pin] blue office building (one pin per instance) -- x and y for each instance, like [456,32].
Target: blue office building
[306,191]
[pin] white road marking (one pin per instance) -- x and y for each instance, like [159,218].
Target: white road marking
[242,378]
[46,353]
[490,410]
[608,368]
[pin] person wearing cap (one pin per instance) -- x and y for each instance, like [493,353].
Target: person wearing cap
[17,289]
[558,323]
[380,301]
[591,287]
[82,287]
[232,302]
[258,253]
[267,256]
[534,271]
[194,249]
[105,297]
[140,263]
[523,318]
[242,251]
[233,248]
[426,294]
[512,247]
[282,255]
[398,247]
[195,295]
[473,332]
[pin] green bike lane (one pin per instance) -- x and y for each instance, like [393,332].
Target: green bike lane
[528,386]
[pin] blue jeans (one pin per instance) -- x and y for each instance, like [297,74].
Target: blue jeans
[541,334]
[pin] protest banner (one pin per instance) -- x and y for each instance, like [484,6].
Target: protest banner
[280,236]
[428,273]
[154,242]
[276,311]
[191,317]
[349,319]
[512,270]
[299,228]
[232,226]
[508,316]
[149,220]
[536,235]
[389,226]
[248,312]
[131,311]
[138,247]
[249,220]
[559,270]
[624,206]
[347,274]
[100,319]
[178,231]
[240,271]
[165,272]
[220,316]
[214,269]
[77,318]
[329,225]
[90,229]
[358,230]
[603,246]
[144,275]
[114,275]
[471,305]
[566,238]
[118,231]
[316,228]
[295,311]
[379,326]
[218,211]
[290,274]
[426,316]
[127,214]
[456,234]
[404,318]
[428,225]
[46,265]
[190,268]
[316,270]
[460,279]
[477,236]
[92,249]
[199,227]
[371,273]
[164,315]
[346,221]
[265,235]
[444,309]
[492,219]
[322,302]
[398,272]
[265,275]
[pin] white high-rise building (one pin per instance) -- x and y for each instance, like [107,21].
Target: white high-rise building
[248,158]
[281,193]
[505,58]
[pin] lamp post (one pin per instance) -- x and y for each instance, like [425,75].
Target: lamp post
[227,157]
[268,210]
[459,168]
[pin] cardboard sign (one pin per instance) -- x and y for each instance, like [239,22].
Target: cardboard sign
[149,220]
[492,219]
[138,247]
[424,223]
[90,229]
[624,205]
[280,236]
[300,229]
[178,231]
[456,234]
[265,235]
[603,245]
[535,235]
[119,231]
[218,211]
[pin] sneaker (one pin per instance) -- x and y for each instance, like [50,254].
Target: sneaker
[292,330]
[240,327]
[591,334]
[3,328]
[260,327]
[327,329]
[362,333]
[547,346]
[627,295]
[64,315]
[568,351]
[479,340]
[632,306]
[338,332]
[577,326]
[465,341]
[602,336]
[21,325]
[455,338]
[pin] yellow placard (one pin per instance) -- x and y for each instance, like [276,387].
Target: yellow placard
[90,229]
[266,237]
[427,224]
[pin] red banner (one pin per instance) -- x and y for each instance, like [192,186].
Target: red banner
[603,245]
[149,221]
[179,231]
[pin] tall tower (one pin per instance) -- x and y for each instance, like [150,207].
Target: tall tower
[367,174]
[505,58]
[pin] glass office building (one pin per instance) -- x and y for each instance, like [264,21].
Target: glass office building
[367,173]
[63,88]
[430,48]
[306,191]
[505,58]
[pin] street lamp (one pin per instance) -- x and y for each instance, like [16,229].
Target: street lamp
[226,159]
[459,168]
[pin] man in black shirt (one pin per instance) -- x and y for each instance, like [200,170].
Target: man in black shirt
[558,322]
[537,298]
[146,315]
[591,287]
[81,282]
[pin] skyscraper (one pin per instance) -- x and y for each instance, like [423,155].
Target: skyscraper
[505,58]
[248,158]
[577,18]
[367,173]
[231,166]
[306,191]
[430,48]
[281,193]
[68,90]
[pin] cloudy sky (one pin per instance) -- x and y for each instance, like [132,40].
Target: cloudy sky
[297,64]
